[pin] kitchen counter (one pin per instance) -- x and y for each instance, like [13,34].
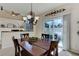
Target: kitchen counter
[16,31]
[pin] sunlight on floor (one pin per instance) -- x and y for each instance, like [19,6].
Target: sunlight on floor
[60,46]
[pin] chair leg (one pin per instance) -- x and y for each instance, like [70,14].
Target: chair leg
[17,52]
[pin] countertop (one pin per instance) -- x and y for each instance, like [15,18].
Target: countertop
[17,31]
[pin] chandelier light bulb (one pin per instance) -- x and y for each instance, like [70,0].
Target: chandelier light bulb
[36,18]
[29,17]
[24,18]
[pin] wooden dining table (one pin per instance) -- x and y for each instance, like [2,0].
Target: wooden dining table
[34,50]
[44,44]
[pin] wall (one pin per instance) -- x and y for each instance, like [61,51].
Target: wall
[39,27]
[74,28]
[5,14]
[72,9]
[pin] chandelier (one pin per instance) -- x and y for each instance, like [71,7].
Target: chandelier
[31,17]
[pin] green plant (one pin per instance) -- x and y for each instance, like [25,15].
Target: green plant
[33,39]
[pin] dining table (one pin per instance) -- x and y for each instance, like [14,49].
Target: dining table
[33,49]
[37,48]
[44,44]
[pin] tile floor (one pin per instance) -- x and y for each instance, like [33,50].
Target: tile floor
[10,52]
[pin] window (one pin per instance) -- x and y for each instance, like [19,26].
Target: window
[28,26]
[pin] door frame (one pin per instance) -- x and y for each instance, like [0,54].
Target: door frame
[67,42]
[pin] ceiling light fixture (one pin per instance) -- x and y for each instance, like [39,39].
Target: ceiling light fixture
[31,17]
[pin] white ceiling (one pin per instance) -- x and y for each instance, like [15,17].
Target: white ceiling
[24,8]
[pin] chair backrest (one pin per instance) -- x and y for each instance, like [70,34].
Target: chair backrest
[45,37]
[53,48]
[16,45]
[23,36]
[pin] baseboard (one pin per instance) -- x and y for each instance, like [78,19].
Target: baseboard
[74,51]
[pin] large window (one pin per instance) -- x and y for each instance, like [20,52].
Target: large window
[28,26]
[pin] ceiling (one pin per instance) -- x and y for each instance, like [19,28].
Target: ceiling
[24,8]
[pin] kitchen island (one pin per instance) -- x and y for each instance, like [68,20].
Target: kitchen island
[6,37]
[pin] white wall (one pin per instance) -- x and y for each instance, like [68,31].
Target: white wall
[73,9]
[74,28]
[39,27]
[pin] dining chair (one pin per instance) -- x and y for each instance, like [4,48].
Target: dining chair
[16,45]
[24,36]
[45,37]
[18,50]
[42,36]
[53,49]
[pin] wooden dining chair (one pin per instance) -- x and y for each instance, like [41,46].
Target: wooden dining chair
[16,45]
[18,50]
[24,36]
[45,37]
[53,49]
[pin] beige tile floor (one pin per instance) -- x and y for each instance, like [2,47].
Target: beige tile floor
[10,52]
[7,52]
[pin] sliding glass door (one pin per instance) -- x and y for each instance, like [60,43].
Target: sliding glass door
[54,27]
[59,28]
